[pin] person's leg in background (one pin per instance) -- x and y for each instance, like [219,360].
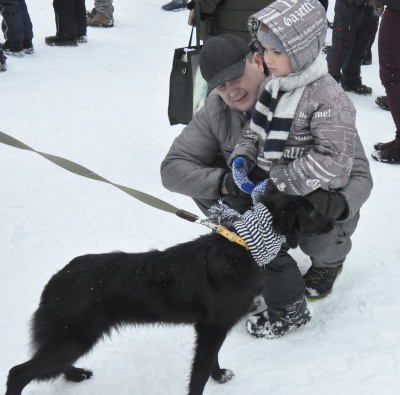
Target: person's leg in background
[362,21]
[27,44]
[342,41]
[102,15]
[351,71]
[66,24]
[372,35]
[389,71]
[80,17]
[349,44]
[13,27]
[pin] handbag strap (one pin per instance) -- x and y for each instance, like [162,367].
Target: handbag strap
[197,19]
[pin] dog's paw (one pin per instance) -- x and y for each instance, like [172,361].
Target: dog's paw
[77,374]
[223,376]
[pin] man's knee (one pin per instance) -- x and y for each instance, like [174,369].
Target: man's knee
[332,248]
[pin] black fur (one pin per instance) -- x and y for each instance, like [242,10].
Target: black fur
[209,282]
[294,216]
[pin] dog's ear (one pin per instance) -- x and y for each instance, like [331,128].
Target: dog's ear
[271,197]
[271,189]
[285,222]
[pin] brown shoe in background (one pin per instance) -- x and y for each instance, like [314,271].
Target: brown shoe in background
[98,19]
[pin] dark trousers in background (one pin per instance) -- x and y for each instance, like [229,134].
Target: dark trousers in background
[70,18]
[324,4]
[350,39]
[16,24]
[389,61]
[372,36]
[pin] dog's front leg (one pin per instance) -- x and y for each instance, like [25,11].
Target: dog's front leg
[209,340]
[221,375]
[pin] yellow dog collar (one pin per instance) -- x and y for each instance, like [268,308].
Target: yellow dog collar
[232,236]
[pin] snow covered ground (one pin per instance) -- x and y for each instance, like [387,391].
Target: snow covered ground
[104,105]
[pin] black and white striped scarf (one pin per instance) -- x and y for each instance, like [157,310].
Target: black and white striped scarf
[254,227]
[273,114]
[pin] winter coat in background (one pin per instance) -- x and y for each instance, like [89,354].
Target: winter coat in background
[319,151]
[393,4]
[228,16]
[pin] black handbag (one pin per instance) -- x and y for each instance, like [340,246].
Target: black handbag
[187,88]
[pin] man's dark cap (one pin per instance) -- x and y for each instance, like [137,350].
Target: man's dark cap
[222,59]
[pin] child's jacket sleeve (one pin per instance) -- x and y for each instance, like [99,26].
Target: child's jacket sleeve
[319,152]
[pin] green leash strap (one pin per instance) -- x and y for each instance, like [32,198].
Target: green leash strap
[84,172]
[143,197]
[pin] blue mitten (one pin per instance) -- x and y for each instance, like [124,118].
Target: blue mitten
[240,168]
[258,191]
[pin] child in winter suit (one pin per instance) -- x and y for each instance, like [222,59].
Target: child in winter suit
[302,133]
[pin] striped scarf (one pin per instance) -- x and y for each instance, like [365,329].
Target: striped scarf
[273,114]
[254,226]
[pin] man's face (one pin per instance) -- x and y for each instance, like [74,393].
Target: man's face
[242,92]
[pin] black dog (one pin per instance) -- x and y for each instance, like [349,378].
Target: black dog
[209,283]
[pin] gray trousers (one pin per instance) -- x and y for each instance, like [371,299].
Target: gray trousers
[330,250]
[105,7]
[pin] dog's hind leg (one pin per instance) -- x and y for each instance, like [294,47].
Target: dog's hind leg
[48,362]
[18,377]
[209,340]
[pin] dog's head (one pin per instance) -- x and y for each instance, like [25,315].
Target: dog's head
[294,216]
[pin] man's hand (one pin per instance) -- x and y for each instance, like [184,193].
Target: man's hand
[332,204]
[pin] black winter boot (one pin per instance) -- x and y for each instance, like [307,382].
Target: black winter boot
[389,154]
[360,89]
[382,146]
[319,281]
[27,47]
[175,5]
[273,322]
[61,42]
[382,102]
[13,48]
